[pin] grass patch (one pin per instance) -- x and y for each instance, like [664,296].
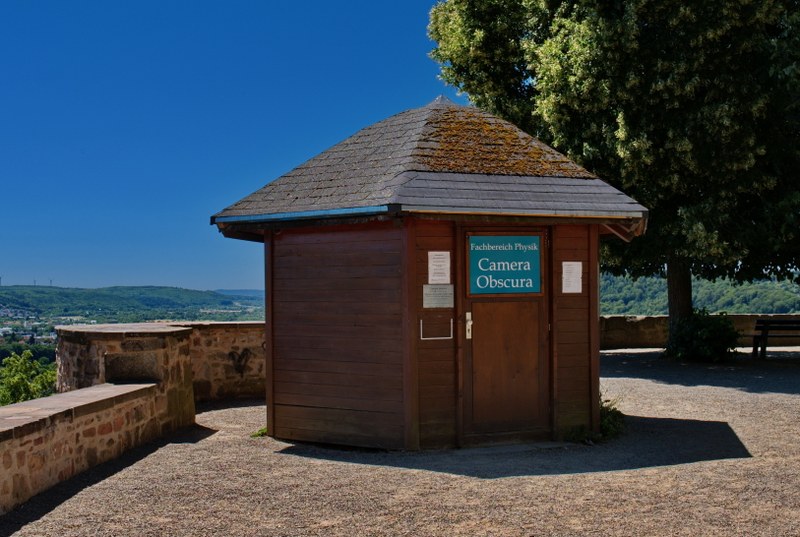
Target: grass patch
[259,433]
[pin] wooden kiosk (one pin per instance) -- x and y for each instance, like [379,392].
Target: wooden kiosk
[432,281]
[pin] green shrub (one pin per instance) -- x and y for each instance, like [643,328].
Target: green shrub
[23,378]
[612,425]
[612,420]
[702,337]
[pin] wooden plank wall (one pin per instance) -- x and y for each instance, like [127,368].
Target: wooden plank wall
[338,350]
[573,331]
[436,358]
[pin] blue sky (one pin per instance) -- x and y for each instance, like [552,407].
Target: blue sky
[125,125]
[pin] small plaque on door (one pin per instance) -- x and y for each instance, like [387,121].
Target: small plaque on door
[437,296]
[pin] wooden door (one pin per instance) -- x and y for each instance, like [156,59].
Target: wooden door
[506,366]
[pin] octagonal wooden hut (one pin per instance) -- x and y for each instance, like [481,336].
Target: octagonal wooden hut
[432,281]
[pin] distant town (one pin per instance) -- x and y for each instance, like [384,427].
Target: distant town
[29,314]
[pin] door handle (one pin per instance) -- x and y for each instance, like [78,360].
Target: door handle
[469,324]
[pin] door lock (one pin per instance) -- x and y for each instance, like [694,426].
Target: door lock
[469,324]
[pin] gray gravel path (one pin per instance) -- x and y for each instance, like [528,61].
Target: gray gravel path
[709,451]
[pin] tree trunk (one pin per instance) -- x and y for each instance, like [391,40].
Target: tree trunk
[679,292]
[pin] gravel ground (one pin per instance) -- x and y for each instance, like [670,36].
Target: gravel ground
[708,451]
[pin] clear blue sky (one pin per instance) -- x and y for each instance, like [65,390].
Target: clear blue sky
[125,125]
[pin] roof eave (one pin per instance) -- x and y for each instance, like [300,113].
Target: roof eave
[300,215]
[625,224]
[637,214]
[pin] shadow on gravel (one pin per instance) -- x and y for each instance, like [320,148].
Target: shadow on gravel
[224,404]
[779,373]
[648,442]
[41,504]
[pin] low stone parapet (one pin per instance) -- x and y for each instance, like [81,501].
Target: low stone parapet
[48,440]
[639,332]
[220,360]
[228,360]
[122,385]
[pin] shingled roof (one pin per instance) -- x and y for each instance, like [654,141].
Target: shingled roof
[441,158]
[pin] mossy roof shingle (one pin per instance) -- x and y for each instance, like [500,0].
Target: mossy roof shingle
[439,158]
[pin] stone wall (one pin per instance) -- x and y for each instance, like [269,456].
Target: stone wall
[48,440]
[89,355]
[632,332]
[228,360]
[621,332]
[122,386]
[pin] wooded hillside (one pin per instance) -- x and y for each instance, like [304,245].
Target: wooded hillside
[648,296]
[130,304]
[618,296]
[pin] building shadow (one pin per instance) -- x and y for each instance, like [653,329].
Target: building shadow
[779,373]
[648,442]
[224,404]
[44,502]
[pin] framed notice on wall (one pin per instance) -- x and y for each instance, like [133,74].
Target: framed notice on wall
[504,264]
[571,277]
[438,267]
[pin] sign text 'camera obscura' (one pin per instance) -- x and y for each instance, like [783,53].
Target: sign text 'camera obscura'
[504,264]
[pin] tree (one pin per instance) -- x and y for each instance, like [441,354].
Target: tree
[692,109]
[23,378]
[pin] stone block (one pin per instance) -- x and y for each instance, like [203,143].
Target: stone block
[20,487]
[143,344]
[202,390]
[119,422]
[129,367]
[91,456]
[36,462]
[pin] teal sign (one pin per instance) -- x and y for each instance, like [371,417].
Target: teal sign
[504,264]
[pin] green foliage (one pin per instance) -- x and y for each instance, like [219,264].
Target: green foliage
[703,338]
[132,304]
[612,424]
[648,296]
[626,296]
[23,378]
[259,433]
[46,354]
[690,108]
[612,420]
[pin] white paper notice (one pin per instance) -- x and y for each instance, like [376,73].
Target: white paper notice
[571,277]
[438,267]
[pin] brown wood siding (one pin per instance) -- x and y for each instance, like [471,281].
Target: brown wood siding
[269,346]
[338,335]
[436,358]
[571,330]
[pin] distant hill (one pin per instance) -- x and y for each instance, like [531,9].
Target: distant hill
[241,292]
[648,296]
[618,296]
[129,304]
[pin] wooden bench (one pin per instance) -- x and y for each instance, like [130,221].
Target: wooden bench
[766,328]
